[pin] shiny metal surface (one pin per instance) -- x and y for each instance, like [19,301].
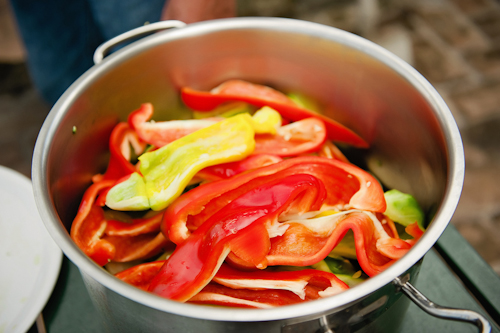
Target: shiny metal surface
[415,143]
[443,312]
[104,48]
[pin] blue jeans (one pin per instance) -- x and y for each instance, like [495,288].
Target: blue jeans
[60,36]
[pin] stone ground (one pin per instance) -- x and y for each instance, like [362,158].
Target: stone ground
[455,44]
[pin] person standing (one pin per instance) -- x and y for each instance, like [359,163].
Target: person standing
[60,36]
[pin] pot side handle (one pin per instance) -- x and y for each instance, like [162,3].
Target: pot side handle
[103,49]
[442,312]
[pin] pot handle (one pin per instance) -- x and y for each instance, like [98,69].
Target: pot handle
[103,49]
[441,312]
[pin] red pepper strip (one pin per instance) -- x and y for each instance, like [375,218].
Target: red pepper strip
[300,246]
[340,187]
[245,88]
[89,225]
[388,225]
[228,170]
[393,248]
[137,247]
[263,289]
[101,199]
[162,133]
[196,260]
[294,281]
[119,147]
[215,294]
[330,150]
[345,184]
[293,139]
[141,275]
[414,231]
[258,95]
[257,289]
[303,136]
[137,227]
[91,238]
[89,232]
[251,246]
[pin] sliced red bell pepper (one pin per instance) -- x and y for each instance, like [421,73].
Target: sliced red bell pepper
[308,241]
[216,294]
[227,170]
[264,289]
[330,150]
[89,225]
[259,95]
[414,231]
[141,275]
[257,289]
[122,137]
[388,225]
[300,137]
[136,227]
[294,281]
[143,246]
[122,242]
[197,259]
[162,133]
[293,139]
[346,184]
[102,248]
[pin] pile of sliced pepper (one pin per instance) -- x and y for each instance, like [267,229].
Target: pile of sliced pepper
[246,210]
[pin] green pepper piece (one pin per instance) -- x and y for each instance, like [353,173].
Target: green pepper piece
[128,195]
[304,101]
[351,280]
[340,266]
[345,271]
[345,248]
[322,266]
[168,170]
[225,110]
[403,209]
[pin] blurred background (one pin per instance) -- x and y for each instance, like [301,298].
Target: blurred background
[455,44]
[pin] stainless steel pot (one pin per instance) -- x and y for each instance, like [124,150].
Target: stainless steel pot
[415,147]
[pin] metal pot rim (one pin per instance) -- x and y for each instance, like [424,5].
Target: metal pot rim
[318,307]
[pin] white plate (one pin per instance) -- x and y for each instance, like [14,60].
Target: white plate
[30,261]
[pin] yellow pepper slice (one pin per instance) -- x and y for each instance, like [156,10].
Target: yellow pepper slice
[266,120]
[168,170]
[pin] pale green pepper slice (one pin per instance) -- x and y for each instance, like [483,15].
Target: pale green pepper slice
[404,209]
[128,195]
[226,110]
[345,248]
[168,170]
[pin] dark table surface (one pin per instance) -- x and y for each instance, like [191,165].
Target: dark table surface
[452,275]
